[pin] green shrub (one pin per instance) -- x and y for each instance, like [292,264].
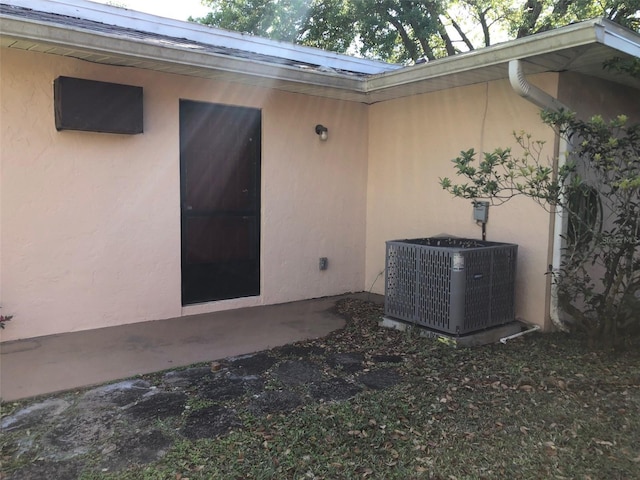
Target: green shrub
[597,190]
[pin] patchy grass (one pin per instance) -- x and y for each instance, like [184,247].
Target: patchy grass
[541,406]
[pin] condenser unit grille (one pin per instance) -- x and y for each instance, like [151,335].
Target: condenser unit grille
[451,285]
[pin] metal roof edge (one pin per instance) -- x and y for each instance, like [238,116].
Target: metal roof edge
[366,88]
[571,36]
[127,18]
[95,43]
[622,39]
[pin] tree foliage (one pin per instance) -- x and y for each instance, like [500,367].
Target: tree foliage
[403,30]
[598,192]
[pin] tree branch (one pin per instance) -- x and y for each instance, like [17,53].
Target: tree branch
[406,40]
[531,12]
[463,36]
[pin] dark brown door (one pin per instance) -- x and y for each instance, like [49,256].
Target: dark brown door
[220,193]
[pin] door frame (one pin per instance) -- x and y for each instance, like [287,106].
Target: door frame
[254,135]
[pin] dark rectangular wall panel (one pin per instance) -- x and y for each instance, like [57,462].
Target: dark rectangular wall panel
[92,106]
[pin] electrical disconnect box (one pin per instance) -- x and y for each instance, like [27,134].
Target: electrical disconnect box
[481,211]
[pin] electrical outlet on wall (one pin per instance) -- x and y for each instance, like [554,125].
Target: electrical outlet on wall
[323,264]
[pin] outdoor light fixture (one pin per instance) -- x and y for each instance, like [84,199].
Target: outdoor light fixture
[322,131]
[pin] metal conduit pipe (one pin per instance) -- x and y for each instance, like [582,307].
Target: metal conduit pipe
[545,101]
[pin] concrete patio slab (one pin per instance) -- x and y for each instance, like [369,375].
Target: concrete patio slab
[63,362]
[474,339]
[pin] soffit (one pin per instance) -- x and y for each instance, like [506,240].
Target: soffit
[580,48]
[112,45]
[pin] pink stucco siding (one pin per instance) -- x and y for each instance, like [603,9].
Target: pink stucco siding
[411,144]
[90,225]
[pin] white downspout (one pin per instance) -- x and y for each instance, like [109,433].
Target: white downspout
[559,226]
[532,93]
[545,101]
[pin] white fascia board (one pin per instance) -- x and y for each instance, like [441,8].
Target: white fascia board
[201,33]
[82,40]
[615,36]
[577,35]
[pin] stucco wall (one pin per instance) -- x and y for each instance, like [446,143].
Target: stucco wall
[411,144]
[90,222]
[590,96]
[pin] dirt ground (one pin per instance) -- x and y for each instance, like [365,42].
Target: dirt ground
[136,421]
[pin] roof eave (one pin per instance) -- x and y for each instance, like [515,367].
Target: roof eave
[111,15]
[203,64]
[615,36]
[566,38]
[558,50]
